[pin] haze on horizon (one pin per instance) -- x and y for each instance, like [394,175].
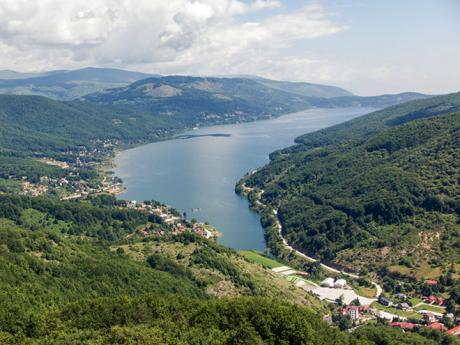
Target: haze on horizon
[367,47]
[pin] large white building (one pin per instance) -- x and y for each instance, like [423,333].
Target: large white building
[328,282]
[340,283]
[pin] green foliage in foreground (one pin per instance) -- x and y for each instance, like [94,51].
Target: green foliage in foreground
[151,319]
[62,283]
[387,179]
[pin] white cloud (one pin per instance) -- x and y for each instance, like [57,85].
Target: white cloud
[173,36]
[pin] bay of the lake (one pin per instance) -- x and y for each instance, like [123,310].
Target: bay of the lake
[198,175]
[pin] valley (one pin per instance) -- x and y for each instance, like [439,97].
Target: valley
[186,142]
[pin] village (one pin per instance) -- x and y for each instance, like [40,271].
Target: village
[85,177]
[88,175]
[83,173]
[176,222]
[353,310]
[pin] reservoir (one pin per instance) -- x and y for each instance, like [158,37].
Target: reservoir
[197,172]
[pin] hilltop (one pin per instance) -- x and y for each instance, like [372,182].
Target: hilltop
[80,272]
[66,84]
[380,190]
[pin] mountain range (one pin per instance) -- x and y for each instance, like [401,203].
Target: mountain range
[378,191]
[66,84]
[381,190]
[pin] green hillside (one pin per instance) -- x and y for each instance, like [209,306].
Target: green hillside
[380,190]
[95,270]
[72,274]
[304,89]
[29,117]
[201,101]
[33,128]
[65,84]
[197,101]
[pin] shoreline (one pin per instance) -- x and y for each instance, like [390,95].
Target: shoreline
[180,135]
[261,209]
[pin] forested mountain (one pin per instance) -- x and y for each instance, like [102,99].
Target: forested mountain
[198,101]
[97,271]
[33,123]
[9,74]
[75,272]
[303,89]
[382,189]
[66,85]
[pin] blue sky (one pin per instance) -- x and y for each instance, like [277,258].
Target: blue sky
[369,47]
[402,45]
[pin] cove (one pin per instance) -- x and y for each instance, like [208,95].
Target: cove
[197,172]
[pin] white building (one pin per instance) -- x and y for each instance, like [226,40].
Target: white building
[328,282]
[354,313]
[340,283]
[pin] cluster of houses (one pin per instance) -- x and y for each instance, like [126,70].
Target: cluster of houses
[401,306]
[430,319]
[33,190]
[169,217]
[355,312]
[70,187]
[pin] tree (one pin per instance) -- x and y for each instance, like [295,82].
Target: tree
[355,302]
[342,321]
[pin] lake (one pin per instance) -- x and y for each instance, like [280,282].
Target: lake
[198,172]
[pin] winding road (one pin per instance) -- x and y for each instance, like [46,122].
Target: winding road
[378,288]
[328,268]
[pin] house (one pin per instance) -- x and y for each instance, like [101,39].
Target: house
[328,282]
[340,283]
[404,325]
[454,331]
[437,326]
[353,313]
[450,316]
[401,296]
[431,282]
[429,317]
[403,306]
[435,300]
[441,301]
[385,301]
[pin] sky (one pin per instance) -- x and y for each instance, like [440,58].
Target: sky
[366,46]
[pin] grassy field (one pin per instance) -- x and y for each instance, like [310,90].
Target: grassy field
[365,291]
[408,314]
[431,308]
[294,279]
[425,271]
[259,258]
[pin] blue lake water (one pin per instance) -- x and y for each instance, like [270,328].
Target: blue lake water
[200,173]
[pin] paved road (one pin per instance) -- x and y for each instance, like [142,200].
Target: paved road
[378,288]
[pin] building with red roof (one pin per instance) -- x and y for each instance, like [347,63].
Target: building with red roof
[435,300]
[454,331]
[437,326]
[404,325]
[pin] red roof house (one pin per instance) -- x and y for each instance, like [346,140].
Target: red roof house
[404,325]
[454,331]
[437,326]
